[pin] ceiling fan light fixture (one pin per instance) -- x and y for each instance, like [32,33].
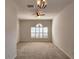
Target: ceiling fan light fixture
[41,4]
[38,2]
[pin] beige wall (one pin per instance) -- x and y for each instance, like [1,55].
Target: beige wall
[18,31]
[63,30]
[10,30]
[25,29]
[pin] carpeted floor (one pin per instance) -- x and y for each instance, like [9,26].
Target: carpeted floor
[39,50]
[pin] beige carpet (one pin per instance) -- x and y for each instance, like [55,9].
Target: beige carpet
[39,50]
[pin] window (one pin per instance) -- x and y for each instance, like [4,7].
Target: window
[39,31]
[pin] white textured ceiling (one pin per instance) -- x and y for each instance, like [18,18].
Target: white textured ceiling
[53,7]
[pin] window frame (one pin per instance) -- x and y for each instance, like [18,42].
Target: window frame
[39,31]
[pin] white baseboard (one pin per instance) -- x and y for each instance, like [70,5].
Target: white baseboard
[63,51]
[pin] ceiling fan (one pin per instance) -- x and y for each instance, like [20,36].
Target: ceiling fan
[40,5]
